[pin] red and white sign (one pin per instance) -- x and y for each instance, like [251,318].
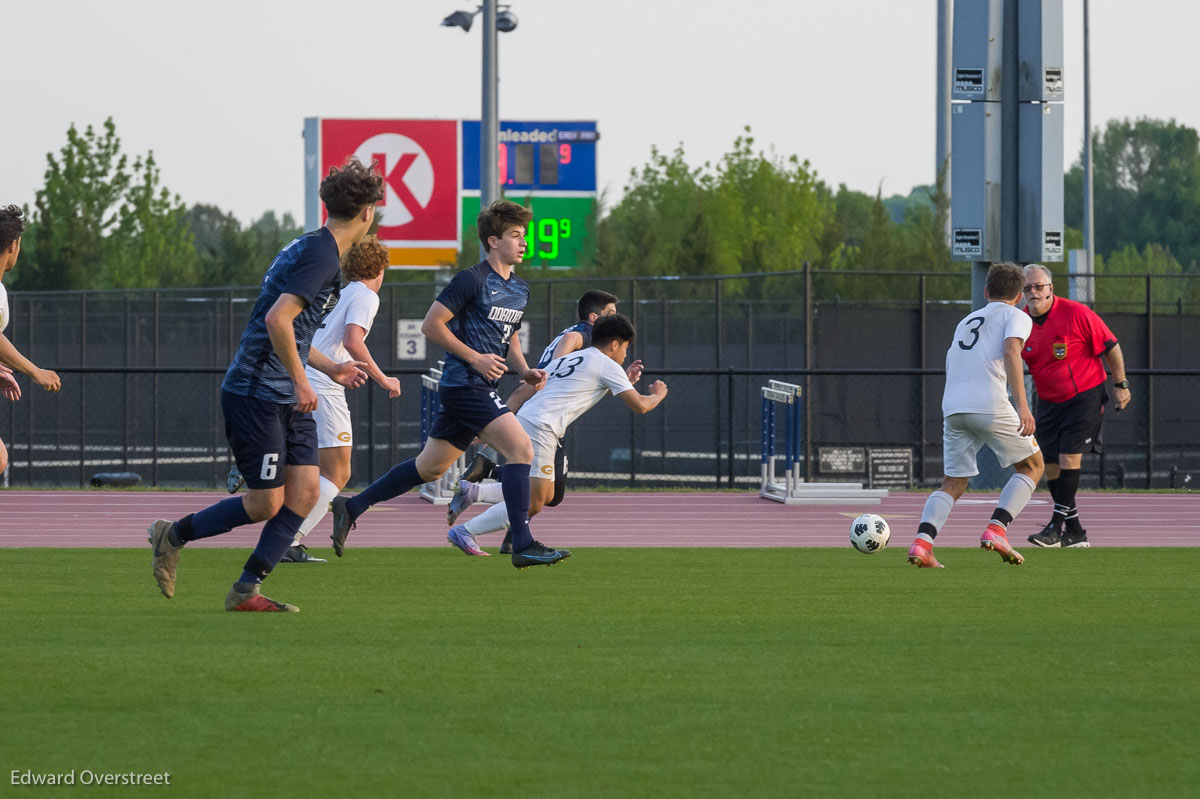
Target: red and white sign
[419,160]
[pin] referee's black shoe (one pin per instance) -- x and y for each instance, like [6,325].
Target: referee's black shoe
[1074,539]
[506,544]
[1050,537]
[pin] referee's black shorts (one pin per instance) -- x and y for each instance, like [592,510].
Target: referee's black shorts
[1071,427]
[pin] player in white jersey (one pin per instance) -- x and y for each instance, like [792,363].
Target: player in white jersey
[342,336]
[12,224]
[593,305]
[982,364]
[574,384]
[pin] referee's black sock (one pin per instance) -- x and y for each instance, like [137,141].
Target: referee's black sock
[1060,511]
[1068,485]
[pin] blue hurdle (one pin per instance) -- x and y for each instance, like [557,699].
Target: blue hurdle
[792,489]
[440,491]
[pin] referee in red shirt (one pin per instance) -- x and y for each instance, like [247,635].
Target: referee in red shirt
[1064,354]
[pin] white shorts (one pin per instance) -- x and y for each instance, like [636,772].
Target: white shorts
[333,421]
[545,444]
[964,433]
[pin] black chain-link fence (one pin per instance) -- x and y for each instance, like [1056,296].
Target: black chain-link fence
[142,370]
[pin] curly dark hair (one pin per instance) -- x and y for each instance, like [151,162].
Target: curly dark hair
[499,217]
[365,260]
[12,223]
[349,189]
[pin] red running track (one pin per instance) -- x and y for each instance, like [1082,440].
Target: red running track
[714,519]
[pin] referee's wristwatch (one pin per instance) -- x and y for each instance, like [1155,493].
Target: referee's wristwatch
[1121,384]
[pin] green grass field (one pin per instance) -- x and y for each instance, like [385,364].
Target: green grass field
[620,673]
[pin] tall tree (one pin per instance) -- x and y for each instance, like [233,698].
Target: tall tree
[1146,188]
[75,211]
[97,223]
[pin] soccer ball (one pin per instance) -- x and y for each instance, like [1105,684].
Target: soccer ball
[869,533]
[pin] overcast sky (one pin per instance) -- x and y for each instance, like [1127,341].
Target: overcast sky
[219,90]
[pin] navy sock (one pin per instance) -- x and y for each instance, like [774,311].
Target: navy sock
[399,479]
[213,520]
[276,537]
[515,485]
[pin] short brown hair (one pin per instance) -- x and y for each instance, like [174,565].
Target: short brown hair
[12,224]
[1005,281]
[594,301]
[365,260]
[348,189]
[499,217]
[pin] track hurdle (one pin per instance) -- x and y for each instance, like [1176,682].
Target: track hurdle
[792,489]
[440,491]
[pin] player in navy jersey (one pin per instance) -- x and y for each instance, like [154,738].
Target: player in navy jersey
[268,401]
[476,319]
[593,305]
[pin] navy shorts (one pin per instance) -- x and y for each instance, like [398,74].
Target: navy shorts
[266,436]
[1071,427]
[464,411]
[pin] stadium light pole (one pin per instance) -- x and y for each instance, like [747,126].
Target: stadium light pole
[1089,229]
[495,18]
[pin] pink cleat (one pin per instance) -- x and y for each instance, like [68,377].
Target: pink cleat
[993,538]
[921,554]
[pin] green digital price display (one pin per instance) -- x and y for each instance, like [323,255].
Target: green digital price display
[557,236]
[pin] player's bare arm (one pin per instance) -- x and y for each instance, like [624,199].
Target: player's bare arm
[516,359]
[10,389]
[566,345]
[436,329]
[349,374]
[9,355]
[354,339]
[644,403]
[1116,364]
[1014,370]
[283,340]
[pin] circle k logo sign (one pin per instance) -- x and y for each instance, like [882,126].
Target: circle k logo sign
[419,163]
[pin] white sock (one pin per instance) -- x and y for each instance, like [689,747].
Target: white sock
[491,520]
[1016,494]
[328,492]
[491,492]
[937,509]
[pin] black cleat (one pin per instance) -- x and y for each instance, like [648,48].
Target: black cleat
[298,553]
[478,469]
[1072,540]
[506,544]
[1050,537]
[343,523]
[538,555]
